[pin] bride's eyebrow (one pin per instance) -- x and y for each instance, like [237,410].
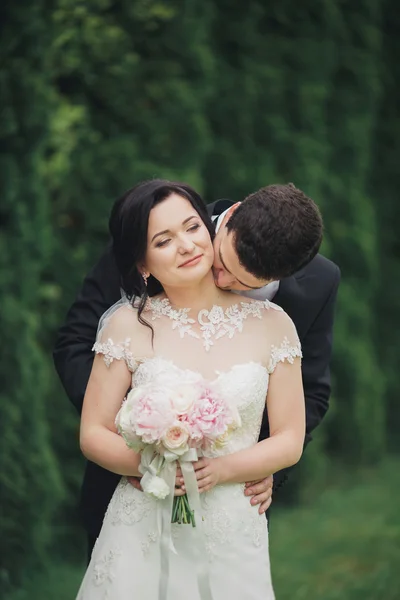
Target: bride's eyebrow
[168,231]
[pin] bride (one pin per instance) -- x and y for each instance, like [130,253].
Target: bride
[175,326]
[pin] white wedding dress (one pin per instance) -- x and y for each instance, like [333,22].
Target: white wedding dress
[229,547]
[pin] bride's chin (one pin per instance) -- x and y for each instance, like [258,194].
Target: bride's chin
[198,276]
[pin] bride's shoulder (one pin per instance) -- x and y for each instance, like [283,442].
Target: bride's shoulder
[120,334]
[120,321]
[120,314]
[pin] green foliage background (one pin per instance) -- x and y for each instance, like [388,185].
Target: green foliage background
[229,96]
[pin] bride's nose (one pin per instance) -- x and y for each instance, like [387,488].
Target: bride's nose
[186,245]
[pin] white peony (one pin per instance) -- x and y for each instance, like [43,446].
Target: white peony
[125,425]
[155,486]
[123,420]
[183,399]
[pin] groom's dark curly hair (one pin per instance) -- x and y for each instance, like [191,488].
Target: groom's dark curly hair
[276,231]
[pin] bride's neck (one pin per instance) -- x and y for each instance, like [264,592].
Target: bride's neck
[202,296]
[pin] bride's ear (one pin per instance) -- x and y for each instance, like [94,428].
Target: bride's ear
[144,273]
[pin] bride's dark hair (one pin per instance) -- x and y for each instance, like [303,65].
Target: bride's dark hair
[128,226]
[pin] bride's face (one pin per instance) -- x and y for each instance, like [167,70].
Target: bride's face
[179,247]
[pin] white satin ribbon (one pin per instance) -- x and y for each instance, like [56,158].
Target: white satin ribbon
[165,467]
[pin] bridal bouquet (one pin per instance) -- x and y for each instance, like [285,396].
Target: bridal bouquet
[170,424]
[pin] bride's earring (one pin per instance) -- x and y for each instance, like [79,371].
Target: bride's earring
[145,278]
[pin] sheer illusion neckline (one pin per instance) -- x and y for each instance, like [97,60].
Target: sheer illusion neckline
[219,374]
[162,305]
[213,324]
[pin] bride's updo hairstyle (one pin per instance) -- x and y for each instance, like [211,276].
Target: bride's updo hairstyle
[128,225]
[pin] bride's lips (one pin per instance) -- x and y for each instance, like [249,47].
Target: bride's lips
[192,261]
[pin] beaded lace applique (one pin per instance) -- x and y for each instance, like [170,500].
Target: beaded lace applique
[286,351]
[112,351]
[214,324]
[103,571]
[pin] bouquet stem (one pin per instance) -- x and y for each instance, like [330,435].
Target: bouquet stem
[181,511]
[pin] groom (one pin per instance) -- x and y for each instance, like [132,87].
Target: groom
[265,247]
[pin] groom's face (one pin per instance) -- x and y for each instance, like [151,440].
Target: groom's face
[229,274]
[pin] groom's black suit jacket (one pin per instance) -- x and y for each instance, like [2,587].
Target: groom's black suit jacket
[308,297]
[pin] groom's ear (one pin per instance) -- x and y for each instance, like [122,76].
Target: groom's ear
[232,210]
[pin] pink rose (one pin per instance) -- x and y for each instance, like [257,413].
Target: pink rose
[176,438]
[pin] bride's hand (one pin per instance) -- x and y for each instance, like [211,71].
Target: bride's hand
[179,487]
[207,473]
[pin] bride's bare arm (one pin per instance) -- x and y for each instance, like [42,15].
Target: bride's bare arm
[286,415]
[99,440]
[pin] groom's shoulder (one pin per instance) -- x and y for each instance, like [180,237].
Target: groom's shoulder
[321,275]
[320,266]
[219,206]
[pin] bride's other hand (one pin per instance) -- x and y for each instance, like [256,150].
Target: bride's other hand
[179,487]
[261,492]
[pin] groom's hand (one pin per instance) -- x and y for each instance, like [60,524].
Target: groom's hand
[135,481]
[261,492]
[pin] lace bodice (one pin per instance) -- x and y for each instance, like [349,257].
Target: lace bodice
[246,386]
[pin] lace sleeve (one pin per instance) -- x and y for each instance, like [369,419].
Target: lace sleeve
[286,345]
[112,340]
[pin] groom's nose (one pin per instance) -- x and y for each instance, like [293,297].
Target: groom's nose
[222,278]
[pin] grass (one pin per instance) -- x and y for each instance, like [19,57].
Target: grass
[345,545]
